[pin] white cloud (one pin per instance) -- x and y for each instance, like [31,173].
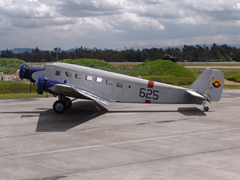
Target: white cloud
[112,23]
[193,20]
[237,6]
[134,21]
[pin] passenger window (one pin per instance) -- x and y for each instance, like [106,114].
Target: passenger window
[89,78]
[78,76]
[119,84]
[58,73]
[68,74]
[98,79]
[109,82]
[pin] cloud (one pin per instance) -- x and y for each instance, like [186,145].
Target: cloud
[85,8]
[118,23]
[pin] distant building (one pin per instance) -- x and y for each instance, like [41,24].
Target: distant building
[171,59]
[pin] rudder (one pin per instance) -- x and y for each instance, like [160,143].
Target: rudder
[209,83]
[216,85]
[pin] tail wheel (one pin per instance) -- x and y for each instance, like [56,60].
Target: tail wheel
[206,108]
[59,106]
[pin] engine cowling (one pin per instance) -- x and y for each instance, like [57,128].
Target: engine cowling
[26,72]
[45,84]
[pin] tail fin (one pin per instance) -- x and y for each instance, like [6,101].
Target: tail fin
[209,84]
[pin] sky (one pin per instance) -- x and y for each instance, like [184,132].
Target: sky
[117,24]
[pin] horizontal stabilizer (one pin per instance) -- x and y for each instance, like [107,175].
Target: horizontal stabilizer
[196,97]
[65,90]
[195,94]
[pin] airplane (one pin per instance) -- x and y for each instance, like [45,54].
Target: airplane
[68,80]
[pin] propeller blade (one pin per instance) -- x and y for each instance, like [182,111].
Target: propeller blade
[17,72]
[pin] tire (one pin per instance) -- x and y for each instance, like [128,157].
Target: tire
[68,103]
[206,108]
[59,106]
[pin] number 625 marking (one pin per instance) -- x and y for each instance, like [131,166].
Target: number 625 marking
[147,93]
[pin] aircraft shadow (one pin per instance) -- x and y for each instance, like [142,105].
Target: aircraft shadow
[79,113]
[191,111]
[84,111]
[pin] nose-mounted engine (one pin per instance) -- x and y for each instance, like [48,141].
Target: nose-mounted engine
[26,72]
[45,84]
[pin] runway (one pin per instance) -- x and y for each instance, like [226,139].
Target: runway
[120,141]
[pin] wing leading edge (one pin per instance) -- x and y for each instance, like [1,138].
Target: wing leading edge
[65,90]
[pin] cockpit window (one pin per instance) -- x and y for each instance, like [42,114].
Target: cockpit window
[46,66]
[68,74]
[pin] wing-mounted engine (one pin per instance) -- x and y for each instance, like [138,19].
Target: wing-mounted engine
[26,72]
[45,84]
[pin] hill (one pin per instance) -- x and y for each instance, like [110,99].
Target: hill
[10,65]
[93,63]
[167,72]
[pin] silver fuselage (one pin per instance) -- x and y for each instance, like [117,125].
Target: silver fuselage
[115,87]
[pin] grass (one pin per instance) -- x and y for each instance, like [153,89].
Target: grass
[10,65]
[15,89]
[93,63]
[226,72]
[209,64]
[232,86]
[177,81]
[21,95]
[125,63]
[7,87]
[165,68]
[235,77]
[166,72]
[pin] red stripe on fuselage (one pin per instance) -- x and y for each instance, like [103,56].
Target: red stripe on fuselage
[150,84]
[147,101]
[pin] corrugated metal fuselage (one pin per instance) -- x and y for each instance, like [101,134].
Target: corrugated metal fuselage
[115,87]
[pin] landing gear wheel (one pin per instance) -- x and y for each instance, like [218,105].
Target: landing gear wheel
[206,108]
[59,106]
[68,103]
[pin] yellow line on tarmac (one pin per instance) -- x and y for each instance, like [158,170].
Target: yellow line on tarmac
[99,118]
[20,115]
[12,114]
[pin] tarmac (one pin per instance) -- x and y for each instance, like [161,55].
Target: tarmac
[214,67]
[120,141]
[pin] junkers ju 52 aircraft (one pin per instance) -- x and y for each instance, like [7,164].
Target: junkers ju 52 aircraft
[68,80]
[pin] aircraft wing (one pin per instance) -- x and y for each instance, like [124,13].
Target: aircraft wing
[65,90]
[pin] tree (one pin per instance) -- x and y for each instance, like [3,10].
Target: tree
[167,56]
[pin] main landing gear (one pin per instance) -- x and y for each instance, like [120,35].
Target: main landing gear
[62,104]
[205,108]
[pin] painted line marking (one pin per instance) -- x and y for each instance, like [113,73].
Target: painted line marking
[150,84]
[147,101]
[19,115]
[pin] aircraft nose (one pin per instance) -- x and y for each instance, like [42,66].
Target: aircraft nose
[23,72]
[26,72]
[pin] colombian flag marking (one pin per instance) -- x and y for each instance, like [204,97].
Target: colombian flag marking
[216,83]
